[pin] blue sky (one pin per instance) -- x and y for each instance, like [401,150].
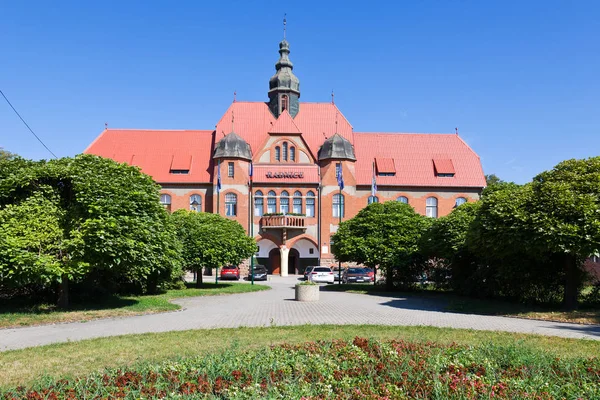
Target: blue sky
[520,79]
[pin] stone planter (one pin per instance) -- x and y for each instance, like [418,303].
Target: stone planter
[307,292]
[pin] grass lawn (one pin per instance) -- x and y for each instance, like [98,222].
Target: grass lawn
[462,304]
[68,360]
[18,314]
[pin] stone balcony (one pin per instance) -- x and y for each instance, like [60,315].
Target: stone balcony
[282,221]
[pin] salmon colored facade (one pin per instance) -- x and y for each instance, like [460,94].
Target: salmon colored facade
[277,166]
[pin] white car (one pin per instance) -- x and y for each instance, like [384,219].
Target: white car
[321,274]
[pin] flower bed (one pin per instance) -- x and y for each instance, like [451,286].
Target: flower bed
[358,369]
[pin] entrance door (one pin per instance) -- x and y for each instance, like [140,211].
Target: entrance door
[274,262]
[293,260]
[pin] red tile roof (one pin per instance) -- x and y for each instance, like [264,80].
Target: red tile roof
[157,152]
[285,124]
[443,166]
[285,173]
[385,165]
[413,155]
[253,121]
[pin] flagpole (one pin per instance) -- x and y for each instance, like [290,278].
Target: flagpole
[340,184]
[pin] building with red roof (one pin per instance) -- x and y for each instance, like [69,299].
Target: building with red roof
[273,167]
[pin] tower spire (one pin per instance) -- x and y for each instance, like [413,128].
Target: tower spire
[284,86]
[284,25]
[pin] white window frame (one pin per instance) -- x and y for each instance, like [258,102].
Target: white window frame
[284,202]
[198,199]
[336,204]
[431,207]
[259,203]
[310,204]
[230,205]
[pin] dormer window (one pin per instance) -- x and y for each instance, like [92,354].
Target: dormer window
[180,171]
[292,153]
[285,151]
[277,153]
[284,102]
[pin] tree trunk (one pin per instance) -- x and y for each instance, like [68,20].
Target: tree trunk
[570,296]
[199,278]
[375,275]
[63,292]
[389,279]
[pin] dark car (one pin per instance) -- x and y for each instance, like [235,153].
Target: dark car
[260,273]
[354,275]
[230,272]
[307,272]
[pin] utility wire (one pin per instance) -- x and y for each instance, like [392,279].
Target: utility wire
[30,130]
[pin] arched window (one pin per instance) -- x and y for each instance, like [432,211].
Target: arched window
[285,151]
[231,204]
[297,206]
[271,202]
[165,200]
[284,203]
[431,207]
[292,153]
[277,153]
[402,199]
[373,199]
[258,203]
[460,201]
[284,103]
[338,206]
[310,204]
[196,202]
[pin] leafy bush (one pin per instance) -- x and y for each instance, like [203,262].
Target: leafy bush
[340,369]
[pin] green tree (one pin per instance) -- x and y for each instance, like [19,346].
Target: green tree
[210,241]
[385,235]
[565,214]
[492,179]
[444,244]
[109,219]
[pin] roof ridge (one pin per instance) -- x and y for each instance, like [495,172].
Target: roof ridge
[158,130]
[405,133]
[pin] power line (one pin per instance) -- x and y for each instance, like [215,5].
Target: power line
[30,130]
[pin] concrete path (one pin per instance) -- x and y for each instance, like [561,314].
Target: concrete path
[277,307]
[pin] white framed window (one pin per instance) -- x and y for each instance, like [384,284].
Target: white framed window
[292,153]
[338,169]
[284,202]
[285,151]
[277,153]
[460,201]
[258,203]
[431,207]
[231,204]
[195,203]
[271,202]
[338,206]
[373,199]
[165,200]
[402,199]
[310,204]
[230,170]
[297,205]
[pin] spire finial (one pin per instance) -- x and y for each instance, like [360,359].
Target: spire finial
[456,130]
[332,97]
[234,96]
[106,125]
[232,120]
[284,24]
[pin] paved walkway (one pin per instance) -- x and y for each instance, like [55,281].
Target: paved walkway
[277,307]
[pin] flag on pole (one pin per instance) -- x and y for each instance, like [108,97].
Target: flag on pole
[250,170]
[340,178]
[219,177]
[374,183]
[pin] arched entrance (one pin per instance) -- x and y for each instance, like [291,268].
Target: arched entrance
[307,254]
[274,266]
[293,261]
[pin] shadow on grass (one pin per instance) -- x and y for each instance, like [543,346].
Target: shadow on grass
[25,306]
[207,285]
[430,300]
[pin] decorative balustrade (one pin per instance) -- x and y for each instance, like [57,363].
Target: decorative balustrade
[282,221]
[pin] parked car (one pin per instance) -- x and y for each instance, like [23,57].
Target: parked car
[307,272]
[353,275]
[230,272]
[260,273]
[371,273]
[337,273]
[321,274]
